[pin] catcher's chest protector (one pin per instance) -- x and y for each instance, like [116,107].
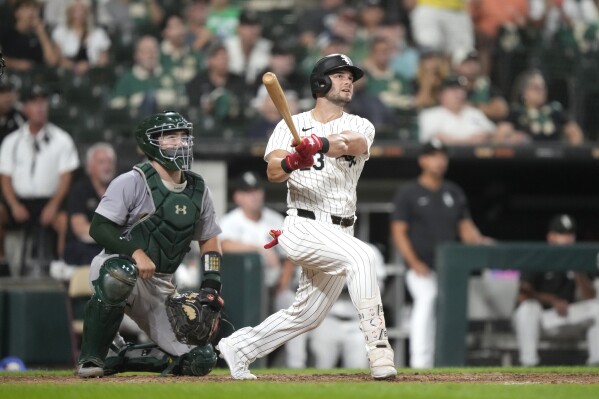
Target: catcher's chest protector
[166,234]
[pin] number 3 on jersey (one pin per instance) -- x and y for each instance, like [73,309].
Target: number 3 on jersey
[318,163]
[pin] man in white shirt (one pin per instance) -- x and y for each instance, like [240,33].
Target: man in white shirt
[36,167]
[454,122]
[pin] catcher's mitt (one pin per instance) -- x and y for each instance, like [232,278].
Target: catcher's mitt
[195,316]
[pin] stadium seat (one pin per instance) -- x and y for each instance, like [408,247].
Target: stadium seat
[79,292]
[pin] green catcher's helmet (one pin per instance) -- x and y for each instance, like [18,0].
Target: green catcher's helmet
[148,134]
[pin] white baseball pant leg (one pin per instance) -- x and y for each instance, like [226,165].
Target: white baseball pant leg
[422,321]
[336,340]
[583,316]
[296,350]
[329,256]
[530,320]
[527,324]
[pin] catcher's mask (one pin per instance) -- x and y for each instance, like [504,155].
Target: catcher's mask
[2,64]
[153,136]
[320,82]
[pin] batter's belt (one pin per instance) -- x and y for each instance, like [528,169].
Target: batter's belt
[341,221]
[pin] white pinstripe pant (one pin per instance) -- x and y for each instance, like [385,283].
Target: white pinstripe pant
[328,255]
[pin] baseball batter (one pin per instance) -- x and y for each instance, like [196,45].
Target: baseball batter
[322,173]
[146,221]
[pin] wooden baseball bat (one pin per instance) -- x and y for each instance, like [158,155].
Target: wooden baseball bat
[273,87]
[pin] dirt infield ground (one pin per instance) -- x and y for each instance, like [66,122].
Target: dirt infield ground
[482,378]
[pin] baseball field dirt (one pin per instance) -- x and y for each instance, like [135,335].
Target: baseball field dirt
[411,377]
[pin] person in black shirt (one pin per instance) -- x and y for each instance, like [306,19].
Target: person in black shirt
[26,44]
[548,304]
[10,117]
[428,211]
[83,200]
[10,120]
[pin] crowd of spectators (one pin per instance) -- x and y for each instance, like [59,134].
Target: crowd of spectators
[123,59]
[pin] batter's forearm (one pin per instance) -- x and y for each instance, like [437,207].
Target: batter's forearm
[275,171]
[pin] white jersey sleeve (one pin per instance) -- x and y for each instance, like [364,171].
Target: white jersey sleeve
[330,184]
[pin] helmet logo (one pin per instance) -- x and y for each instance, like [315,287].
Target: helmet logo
[346,59]
[181,209]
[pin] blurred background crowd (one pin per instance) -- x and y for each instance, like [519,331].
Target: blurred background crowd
[527,68]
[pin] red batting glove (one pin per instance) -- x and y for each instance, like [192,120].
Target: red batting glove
[275,235]
[309,146]
[296,161]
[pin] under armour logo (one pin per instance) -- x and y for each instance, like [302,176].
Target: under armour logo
[346,59]
[182,209]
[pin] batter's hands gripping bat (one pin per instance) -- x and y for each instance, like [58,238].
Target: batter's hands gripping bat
[273,87]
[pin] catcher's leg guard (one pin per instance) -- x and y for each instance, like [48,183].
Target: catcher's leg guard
[199,361]
[150,358]
[104,312]
[143,357]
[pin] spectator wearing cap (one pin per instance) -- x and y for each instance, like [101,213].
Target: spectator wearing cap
[246,229]
[556,304]
[479,91]
[26,43]
[428,211]
[215,92]
[454,122]
[249,52]
[37,162]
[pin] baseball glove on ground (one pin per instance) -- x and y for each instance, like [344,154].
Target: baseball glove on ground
[195,316]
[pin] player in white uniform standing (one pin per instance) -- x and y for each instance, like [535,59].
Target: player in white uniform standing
[322,174]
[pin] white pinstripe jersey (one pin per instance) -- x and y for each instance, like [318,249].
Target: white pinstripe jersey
[330,184]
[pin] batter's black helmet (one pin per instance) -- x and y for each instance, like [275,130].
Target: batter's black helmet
[320,83]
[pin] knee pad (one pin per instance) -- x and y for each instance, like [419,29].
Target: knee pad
[199,361]
[116,281]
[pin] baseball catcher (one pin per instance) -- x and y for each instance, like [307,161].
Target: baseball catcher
[146,222]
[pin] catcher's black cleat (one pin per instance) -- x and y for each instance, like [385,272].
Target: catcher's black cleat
[90,370]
